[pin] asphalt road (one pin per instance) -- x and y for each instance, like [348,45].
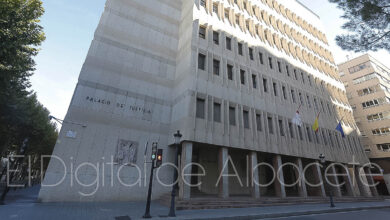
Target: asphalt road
[376,214]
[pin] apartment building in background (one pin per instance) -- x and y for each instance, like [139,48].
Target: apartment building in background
[230,75]
[367,82]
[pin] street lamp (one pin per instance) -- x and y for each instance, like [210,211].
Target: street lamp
[177,137]
[327,188]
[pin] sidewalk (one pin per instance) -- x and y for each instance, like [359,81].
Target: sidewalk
[27,209]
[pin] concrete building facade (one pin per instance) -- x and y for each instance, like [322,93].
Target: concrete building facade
[367,82]
[230,75]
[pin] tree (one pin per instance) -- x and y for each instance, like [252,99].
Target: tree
[20,36]
[368,23]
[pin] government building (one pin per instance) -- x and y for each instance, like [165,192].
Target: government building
[367,82]
[231,75]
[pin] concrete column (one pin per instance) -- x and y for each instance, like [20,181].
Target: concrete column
[335,189]
[255,188]
[185,171]
[223,165]
[318,176]
[353,174]
[279,188]
[386,177]
[349,183]
[299,173]
[371,182]
[362,182]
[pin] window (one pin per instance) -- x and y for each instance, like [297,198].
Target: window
[379,116]
[300,98]
[261,58]
[216,67]
[232,115]
[291,129]
[287,71]
[300,133]
[247,25]
[251,53]
[245,115]
[217,112]
[295,74]
[293,96]
[373,103]
[203,3]
[215,8]
[254,81]
[202,32]
[324,137]
[367,91]
[308,101]
[309,79]
[279,67]
[258,122]
[237,20]
[228,43]
[242,76]
[309,134]
[230,72]
[270,62]
[284,92]
[227,14]
[315,103]
[384,147]
[202,61]
[270,125]
[274,86]
[240,48]
[265,86]
[200,108]
[216,37]
[303,79]
[281,128]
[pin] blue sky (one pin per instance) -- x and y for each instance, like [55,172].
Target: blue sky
[70,24]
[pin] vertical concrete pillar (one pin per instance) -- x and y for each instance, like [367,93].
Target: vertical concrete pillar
[336,189]
[223,165]
[185,171]
[299,173]
[279,180]
[353,174]
[371,182]
[362,182]
[255,188]
[348,182]
[318,176]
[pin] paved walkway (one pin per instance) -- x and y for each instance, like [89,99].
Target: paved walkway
[20,205]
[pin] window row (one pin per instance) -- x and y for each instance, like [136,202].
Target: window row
[375,102]
[379,116]
[384,147]
[369,90]
[336,94]
[364,78]
[359,67]
[282,43]
[267,122]
[381,131]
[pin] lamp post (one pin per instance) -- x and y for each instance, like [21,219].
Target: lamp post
[177,137]
[147,209]
[322,161]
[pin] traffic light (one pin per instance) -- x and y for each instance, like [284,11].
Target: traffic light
[159,157]
[154,151]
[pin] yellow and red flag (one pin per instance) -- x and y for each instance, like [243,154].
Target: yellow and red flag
[315,125]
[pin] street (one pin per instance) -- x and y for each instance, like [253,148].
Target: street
[377,214]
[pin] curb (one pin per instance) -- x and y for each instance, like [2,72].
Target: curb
[291,214]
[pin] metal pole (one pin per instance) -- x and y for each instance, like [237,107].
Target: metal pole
[147,210]
[174,187]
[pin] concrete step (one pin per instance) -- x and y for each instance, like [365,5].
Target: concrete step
[244,202]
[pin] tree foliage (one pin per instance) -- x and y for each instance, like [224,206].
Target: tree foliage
[21,115]
[368,25]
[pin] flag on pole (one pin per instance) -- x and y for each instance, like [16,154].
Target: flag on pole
[315,125]
[297,118]
[340,129]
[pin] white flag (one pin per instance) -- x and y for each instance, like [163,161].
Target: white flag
[297,119]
